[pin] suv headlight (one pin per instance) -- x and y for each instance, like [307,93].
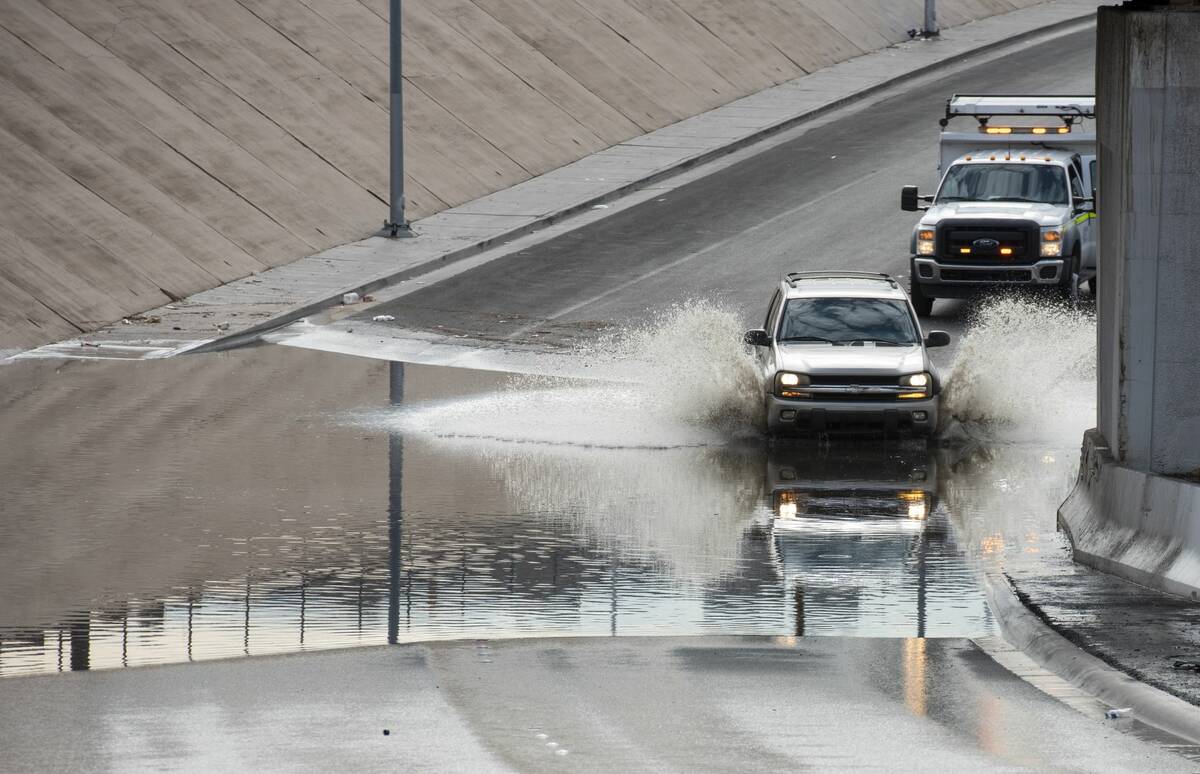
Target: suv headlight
[920,385]
[1051,243]
[925,241]
[787,384]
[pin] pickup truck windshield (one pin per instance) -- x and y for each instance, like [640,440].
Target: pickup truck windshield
[1042,183]
[882,321]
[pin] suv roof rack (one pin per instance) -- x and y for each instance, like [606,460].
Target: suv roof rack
[793,277]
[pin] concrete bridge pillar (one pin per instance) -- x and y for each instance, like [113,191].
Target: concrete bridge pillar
[1148,126]
[1135,510]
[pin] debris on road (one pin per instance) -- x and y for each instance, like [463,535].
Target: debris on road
[1115,713]
[351,298]
[383,318]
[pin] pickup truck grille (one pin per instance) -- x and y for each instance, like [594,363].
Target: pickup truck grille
[984,240]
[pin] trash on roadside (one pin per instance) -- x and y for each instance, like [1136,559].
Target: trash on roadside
[368,298]
[351,298]
[1115,713]
[382,318]
[223,326]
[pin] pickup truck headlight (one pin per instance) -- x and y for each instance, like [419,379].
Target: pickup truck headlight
[787,384]
[915,380]
[1051,243]
[925,242]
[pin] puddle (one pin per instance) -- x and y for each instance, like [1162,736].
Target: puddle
[276,500]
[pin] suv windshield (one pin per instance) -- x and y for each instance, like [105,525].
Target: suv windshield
[1004,183]
[848,321]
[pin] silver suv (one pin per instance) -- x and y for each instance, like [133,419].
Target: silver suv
[843,352]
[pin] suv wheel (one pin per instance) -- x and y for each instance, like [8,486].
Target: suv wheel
[922,304]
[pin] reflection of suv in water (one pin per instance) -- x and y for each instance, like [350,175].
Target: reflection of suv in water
[843,351]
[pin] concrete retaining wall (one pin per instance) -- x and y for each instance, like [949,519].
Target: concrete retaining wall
[1136,525]
[154,149]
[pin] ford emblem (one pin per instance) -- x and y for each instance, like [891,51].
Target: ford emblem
[985,244]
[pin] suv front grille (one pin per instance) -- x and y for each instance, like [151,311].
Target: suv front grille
[842,380]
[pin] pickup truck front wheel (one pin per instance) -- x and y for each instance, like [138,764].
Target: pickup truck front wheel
[922,304]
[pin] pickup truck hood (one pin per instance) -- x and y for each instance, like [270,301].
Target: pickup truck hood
[1044,214]
[851,360]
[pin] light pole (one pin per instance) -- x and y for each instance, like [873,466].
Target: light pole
[396,224]
[931,29]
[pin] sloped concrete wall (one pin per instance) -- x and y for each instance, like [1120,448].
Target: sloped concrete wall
[155,148]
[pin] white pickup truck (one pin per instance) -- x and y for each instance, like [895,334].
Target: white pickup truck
[1016,201]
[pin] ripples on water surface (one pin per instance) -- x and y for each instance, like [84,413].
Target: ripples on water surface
[275,500]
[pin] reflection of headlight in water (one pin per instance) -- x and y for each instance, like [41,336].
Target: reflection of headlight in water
[788,511]
[918,505]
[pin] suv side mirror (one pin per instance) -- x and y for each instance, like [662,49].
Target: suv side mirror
[910,199]
[937,339]
[757,338]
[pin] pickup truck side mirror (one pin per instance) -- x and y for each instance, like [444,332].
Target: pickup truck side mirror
[910,200]
[937,339]
[757,338]
[1085,204]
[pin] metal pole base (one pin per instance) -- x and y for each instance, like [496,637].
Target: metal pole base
[397,230]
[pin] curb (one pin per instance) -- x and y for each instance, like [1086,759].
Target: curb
[1029,633]
[248,335]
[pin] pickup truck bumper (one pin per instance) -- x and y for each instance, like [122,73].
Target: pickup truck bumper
[940,280]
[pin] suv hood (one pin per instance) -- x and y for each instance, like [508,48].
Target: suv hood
[826,359]
[1044,214]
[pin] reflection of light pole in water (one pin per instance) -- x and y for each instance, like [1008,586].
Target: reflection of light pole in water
[799,605]
[922,545]
[81,642]
[395,503]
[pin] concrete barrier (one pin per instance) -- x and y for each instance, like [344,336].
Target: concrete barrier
[154,150]
[1136,525]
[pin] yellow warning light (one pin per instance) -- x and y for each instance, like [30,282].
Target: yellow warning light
[1039,130]
[1006,251]
[999,130]
[1022,157]
[1047,158]
[1064,130]
[991,158]
[965,250]
[967,158]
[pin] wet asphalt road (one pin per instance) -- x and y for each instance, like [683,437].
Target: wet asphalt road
[826,199]
[697,704]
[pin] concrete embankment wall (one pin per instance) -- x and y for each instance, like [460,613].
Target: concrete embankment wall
[154,149]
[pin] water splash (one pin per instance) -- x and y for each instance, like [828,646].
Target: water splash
[682,379]
[1025,371]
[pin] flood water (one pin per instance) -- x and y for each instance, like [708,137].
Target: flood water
[274,500]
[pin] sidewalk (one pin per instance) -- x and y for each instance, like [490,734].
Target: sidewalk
[237,312]
[1108,638]
[1140,631]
